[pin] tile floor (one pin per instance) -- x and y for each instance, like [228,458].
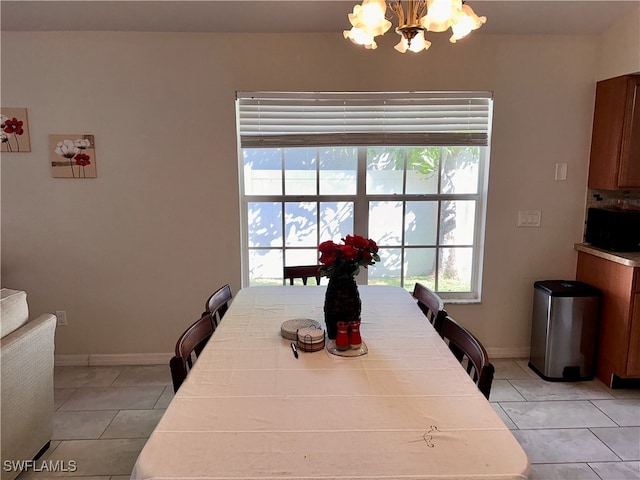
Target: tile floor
[581,431]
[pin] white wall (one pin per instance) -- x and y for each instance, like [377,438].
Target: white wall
[619,48]
[132,255]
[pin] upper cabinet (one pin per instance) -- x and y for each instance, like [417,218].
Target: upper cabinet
[615,140]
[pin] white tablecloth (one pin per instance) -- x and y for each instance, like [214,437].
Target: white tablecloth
[407,409]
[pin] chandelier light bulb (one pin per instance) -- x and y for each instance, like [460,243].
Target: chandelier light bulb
[369,20]
[440,14]
[465,23]
[373,11]
[360,37]
[370,17]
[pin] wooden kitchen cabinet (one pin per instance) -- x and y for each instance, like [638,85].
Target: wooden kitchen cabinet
[618,355]
[615,139]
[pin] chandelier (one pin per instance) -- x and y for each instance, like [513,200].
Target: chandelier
[369,20]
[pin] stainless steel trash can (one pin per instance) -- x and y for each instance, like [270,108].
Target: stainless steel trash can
[563,330]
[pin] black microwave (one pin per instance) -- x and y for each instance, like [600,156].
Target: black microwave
[613,229]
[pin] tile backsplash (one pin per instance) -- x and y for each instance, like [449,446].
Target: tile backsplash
[624,199]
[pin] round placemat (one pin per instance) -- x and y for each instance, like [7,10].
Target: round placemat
[290,327]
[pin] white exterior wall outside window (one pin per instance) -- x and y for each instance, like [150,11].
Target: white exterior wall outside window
[408,170]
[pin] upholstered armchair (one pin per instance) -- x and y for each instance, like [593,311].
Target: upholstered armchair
[26,381]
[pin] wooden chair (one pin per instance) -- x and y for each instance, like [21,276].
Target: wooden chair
[218,304]
[431,305]
[188,348]
[470,353]
[302,271]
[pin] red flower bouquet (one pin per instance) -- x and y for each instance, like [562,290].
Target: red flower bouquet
[345,260]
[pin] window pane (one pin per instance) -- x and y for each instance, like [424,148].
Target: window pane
[455,270]
[338,170]
[301,224]
[385,222]
[422,170]
[457,220]
[385,166]
[336,220]
[420,266]
[421,223]
[262,171]
[265,224]
[387,271]
[265,267]
[300,171]
[301,256]
[460,170]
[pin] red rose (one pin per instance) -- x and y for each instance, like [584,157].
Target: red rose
[366,256]
[373,246]
[356,241]
[13,125]
[327,247]
[348,252]
[328,259]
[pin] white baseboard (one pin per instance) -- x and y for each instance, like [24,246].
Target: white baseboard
[113,359]
[522,352]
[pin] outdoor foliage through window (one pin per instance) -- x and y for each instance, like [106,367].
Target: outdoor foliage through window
[422,205]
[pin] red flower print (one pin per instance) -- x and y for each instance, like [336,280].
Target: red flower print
[13,125]
[82,159]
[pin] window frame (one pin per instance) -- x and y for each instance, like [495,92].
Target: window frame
[361,201]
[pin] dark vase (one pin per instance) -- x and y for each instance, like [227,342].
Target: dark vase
[341,303]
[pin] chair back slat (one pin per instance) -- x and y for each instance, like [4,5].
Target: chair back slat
[218,304]
[431,305]
[303,272]
[188,348]
[468,350]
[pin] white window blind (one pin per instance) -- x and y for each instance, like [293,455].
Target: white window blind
[268,119]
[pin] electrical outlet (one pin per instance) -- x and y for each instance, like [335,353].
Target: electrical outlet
[62,317]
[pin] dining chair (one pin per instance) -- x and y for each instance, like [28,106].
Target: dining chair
[303,272]
[218,304]
[470,353]
[188,348]
[430,304]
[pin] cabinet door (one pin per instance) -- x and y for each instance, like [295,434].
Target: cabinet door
[615,281]
[629,175]
[633,358]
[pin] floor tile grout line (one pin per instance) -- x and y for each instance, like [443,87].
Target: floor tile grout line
[605,443]
[606,415]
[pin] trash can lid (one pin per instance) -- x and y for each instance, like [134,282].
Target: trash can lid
[567,288]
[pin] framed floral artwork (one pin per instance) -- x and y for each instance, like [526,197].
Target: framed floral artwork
[14,130]
[73,156]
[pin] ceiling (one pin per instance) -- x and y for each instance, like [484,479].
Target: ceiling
[275,16]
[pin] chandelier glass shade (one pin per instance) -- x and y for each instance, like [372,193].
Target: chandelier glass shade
[369,20]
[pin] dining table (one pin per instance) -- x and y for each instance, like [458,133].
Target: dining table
[251,409]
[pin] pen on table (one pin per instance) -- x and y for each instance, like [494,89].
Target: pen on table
[295,349]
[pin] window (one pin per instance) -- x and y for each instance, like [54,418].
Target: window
[409,171]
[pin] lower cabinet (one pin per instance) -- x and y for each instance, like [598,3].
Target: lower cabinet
[618,357]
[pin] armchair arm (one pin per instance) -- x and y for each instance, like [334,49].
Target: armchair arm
[26,388]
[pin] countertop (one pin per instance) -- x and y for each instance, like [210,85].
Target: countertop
[630,259]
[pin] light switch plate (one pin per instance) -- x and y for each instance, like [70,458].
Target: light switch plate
[529,218]
[61,315]
[561,171]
